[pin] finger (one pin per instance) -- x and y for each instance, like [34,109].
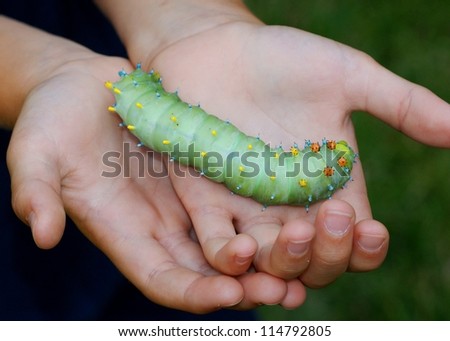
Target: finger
[291,252]
[355,193]
[406,106]
[370,246]
[35,182]
[261,289]
[332,246]
[295,296]
[227,252]
[284,251]
[204,201]
[371,238]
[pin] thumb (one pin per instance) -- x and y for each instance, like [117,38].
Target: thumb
[406,106]
[35,184]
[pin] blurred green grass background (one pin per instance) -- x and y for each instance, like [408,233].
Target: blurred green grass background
[408,183]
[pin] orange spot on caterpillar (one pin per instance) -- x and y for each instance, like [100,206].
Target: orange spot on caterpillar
[131,127]
[117,91]
[328,171]
[165,142]
[331,144]
[108,85]
[342,161]
[139,105]
[315,147]
[111,109]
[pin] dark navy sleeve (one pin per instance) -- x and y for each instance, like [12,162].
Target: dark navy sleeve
[78,20]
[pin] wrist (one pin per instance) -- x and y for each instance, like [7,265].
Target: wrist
[147,27]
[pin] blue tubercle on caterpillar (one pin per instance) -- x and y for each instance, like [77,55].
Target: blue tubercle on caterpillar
[221,152]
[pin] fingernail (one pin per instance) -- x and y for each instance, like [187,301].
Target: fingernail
[298,248]
[371,242]
[337,223]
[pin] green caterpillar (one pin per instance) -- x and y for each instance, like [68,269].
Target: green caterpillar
[222,153]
